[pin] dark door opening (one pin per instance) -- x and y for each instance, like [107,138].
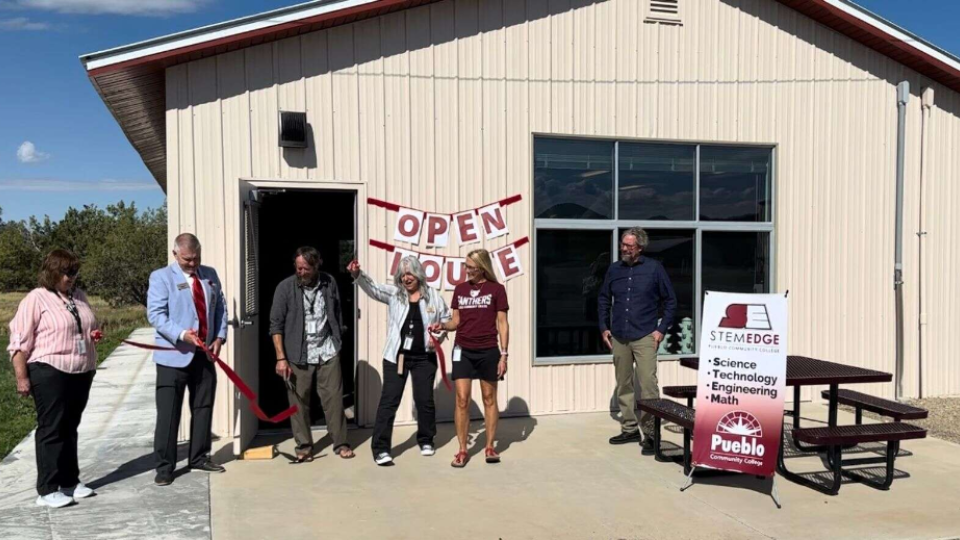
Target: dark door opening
[326,220]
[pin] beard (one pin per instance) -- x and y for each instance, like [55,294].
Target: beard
[307,281]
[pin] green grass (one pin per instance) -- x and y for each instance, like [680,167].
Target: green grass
[17,415]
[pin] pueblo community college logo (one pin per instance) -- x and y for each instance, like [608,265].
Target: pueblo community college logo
[746,316]
[738,425]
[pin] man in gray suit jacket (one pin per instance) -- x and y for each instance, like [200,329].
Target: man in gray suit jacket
[185,305]
[307,326]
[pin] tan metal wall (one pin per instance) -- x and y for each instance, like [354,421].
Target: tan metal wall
[434,107]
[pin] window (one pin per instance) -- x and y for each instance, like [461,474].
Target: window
[573,179]
[706,208]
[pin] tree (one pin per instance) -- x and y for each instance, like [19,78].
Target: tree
[133,246]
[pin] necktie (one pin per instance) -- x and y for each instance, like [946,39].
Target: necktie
[201,303]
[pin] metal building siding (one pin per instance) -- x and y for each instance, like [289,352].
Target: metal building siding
[434,107]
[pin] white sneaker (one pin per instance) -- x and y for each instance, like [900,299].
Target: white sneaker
[54,500]
[383,459]
[427,450]
[79,491]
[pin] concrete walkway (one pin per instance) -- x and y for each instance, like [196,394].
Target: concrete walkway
[561,479]
[116,459]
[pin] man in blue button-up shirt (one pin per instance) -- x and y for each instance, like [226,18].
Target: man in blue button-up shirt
[633,293]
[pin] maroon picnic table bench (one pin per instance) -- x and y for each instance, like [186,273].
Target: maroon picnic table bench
[833,439]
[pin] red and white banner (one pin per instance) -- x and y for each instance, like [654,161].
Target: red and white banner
[438,230]
[409,226]
[433,268]
[741,382]
[454,273]
[488,221]
[507,261]
[493,221]
[451,271]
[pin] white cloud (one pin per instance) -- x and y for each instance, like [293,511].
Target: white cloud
[21,23]
[115,7]
[28,153]
[50,185]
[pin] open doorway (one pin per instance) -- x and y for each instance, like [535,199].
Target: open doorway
[326,220]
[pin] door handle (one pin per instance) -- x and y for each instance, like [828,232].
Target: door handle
[239,324]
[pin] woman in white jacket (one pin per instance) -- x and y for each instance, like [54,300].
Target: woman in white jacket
[413,307]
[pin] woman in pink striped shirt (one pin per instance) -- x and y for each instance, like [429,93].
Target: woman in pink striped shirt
[52,340]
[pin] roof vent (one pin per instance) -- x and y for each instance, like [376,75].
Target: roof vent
[293,129]
[663,11]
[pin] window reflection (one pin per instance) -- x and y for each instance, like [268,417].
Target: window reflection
[734,183]
[736,261]
[656,181]
[570,269]
[573,179]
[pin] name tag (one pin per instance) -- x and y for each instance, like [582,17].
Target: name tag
[312,328]
[407,343]
[456,353]
[182,286]
[431,310]
[81,346]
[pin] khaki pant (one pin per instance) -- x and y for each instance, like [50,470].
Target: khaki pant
[644,352]
[329,383]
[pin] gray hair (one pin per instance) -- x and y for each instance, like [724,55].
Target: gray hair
[410,264]
[641,235]
[186,241]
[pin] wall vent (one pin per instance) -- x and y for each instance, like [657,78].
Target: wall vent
[663,11]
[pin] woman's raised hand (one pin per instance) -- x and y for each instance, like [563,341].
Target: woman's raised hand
[354,268]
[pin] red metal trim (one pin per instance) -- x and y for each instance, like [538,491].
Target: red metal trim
[355,11]
[916,59]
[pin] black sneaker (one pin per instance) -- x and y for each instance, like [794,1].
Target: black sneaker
[646,447]
[625,438]
[163,479]
[208,466]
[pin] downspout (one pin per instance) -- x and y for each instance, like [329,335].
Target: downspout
[903,96]
[926,102]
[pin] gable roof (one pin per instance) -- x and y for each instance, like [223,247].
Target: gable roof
[131,79]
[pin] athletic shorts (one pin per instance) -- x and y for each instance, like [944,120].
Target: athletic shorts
[477,364]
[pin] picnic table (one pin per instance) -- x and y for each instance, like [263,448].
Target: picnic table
[804,371]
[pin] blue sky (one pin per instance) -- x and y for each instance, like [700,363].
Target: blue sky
[59,147]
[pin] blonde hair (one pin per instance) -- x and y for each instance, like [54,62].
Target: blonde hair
[481,258]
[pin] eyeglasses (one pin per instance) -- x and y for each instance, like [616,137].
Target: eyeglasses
[72,274]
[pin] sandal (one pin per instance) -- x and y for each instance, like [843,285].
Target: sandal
[460,460]
[304,456]
[491,455]
[346,452]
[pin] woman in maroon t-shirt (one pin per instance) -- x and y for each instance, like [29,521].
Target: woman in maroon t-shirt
[479,318]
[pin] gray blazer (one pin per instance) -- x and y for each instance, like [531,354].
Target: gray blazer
[287,317]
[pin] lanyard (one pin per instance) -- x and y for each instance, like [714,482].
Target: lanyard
[311,301]
[72,308]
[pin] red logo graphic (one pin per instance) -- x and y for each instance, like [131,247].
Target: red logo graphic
[740,423]
[746,316]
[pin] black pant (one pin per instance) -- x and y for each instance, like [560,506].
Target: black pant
[424,370]
[200,377]
[60,399]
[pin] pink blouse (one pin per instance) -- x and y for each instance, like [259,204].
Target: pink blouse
[46,331]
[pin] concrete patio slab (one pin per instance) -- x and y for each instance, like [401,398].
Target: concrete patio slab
[561,479]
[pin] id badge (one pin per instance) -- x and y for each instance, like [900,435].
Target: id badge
[456,353]
[81,346]
[407,343]
[312,328]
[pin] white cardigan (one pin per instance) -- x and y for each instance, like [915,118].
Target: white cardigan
[433,309]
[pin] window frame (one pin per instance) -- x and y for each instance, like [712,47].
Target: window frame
[615,224]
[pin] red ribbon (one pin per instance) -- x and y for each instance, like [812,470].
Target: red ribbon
[234,378]
[442,359]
